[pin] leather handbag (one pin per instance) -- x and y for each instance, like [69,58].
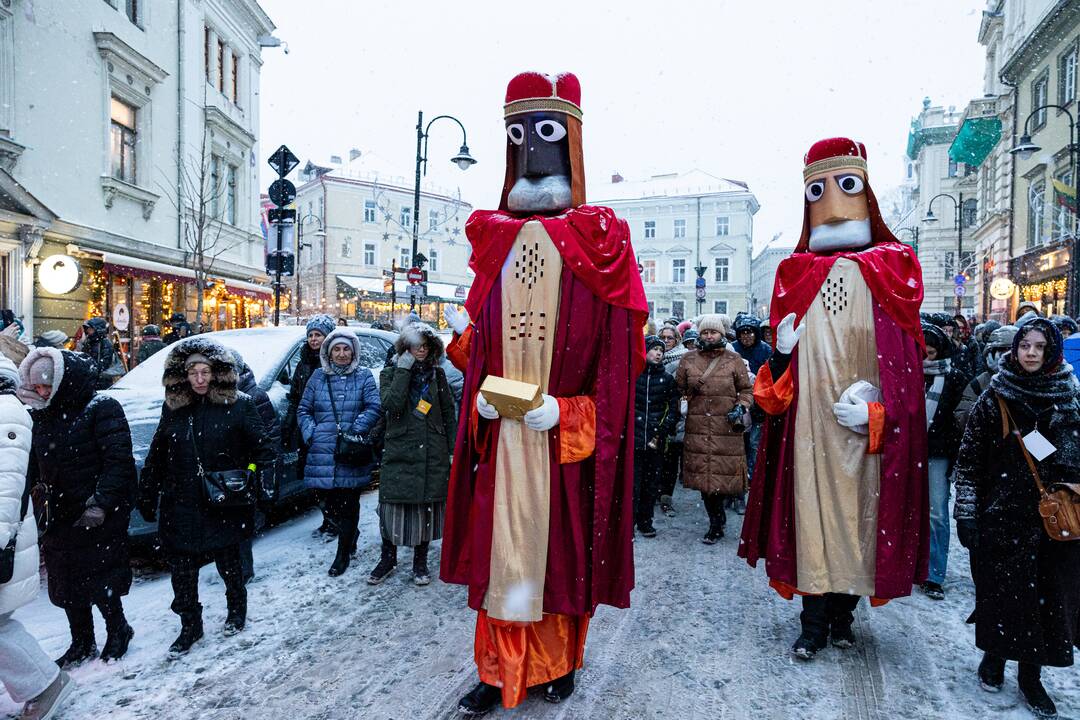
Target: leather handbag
[1059,502]
[7,554]
[351,449]
[224,488]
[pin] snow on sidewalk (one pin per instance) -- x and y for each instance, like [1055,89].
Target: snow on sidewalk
[705,638]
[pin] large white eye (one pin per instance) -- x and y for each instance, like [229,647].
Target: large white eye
[550,130]
[516,132]
[851,184]
[815,190]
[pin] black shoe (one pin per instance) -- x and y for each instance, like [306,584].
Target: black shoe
[386,565]
[481,700]
[420,574]
[116,644]
[992,673]
[646,530]
[666,507]
[932,590]
[806,647]
[560,689]
[716,532]
[344,554]
[842,637]
[234,623]
[190,633]
[1034,693]
[80,651]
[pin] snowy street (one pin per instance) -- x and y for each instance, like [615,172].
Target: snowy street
[705,638]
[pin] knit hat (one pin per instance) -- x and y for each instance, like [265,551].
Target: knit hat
[52,338]
[195,359]
[337,340]
[653,341]
[690,335]
[40,371]
[714,321]
[323,323]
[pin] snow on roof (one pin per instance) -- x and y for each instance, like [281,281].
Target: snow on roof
[676,184]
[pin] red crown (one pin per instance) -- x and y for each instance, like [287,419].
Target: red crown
[537,92]
[832,154]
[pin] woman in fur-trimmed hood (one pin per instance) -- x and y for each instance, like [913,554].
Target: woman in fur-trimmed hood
[206,425]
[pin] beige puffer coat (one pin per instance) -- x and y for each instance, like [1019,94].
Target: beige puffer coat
[714,459]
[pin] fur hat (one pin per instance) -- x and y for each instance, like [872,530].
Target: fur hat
[223,375]
[714,321]
[417,334]
[323,323]
[42,366]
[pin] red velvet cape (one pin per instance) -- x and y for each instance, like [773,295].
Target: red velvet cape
[903,543]
[599,351]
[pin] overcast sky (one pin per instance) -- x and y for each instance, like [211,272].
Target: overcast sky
[737,89]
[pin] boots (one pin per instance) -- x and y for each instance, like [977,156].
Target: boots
[191,631]
[83,646]
[481,700]
[237,617]
[560,689]
[116,643]
[419,565]
[344,552]
[714,506]
[1031,687]
[992,672]
[386,565]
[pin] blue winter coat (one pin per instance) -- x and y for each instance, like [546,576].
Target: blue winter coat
[357,400]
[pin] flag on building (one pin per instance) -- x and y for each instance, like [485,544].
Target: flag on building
[1064,196]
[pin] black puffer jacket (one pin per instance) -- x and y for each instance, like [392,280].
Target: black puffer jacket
[222,429]
[656,406]
[246,384]
[82,456]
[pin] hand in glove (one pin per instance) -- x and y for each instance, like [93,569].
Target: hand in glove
[968,533]
[458,320]
[544,417]
[486,409]
[406,360]
[92,517]
[852,414]
[787,335]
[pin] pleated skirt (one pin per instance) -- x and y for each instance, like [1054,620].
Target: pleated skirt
[409,524]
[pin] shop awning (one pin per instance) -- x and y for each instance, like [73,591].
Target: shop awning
[142,268]
[976,138]
[374,286]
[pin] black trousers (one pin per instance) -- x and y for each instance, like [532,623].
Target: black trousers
[714,506]
[647,467]
[671,468]
[820,613]
[185,582]
[81,619]
[343,509]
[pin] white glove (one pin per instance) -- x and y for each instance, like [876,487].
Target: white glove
[458,320]
[852,415]
[787,335]
[406,360]
[684,406]
[544,417]
[486,409]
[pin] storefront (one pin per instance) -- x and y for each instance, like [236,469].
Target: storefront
[1042,277]
[371,299]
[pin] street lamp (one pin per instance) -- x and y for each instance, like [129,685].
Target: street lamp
[463,160]
[958,202]
[1024,150]
[914,232]
[300,245]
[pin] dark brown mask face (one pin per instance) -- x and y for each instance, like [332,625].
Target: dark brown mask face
[540,154]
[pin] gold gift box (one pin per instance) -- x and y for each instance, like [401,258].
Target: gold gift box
[510,397]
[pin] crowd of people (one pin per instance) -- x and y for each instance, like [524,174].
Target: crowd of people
[990,390]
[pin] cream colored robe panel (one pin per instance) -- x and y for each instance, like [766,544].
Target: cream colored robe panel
[531,284]
[836,482]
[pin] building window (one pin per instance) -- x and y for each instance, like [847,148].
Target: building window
[369,254]
[406,217]
[969,213]
[124,136]
[234,86]
[1064,205]
[723,226]
[650,229]
[346,247]
[721,267]
[1039,90]
[206,51]
[1036,213]
[432,219]
[1067,77]
[719,307]
[433,260]
[648,271]
[221,66]
[132,9]
[215,186]
[230,195]
[678,309]
[910,171]
[652,308]
[405,258]
[369,211]
[953,168]
[678,270]
[680,228]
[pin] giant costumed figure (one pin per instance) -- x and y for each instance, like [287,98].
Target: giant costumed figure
[838,505]
[539,521]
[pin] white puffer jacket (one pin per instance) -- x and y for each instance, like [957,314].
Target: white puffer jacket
[15,435]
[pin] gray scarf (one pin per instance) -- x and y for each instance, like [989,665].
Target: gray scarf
[936,367]
[1053,386]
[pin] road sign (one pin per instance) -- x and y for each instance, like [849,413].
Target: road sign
[959,290]
[700,282]
[282,192]
[283,161]
[284,259]
[415,276]
[281,215]
[700,293]
[416,292]
[960,279]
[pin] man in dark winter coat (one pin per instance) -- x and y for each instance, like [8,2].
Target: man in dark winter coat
[656,411]
[82,464]
[149,343]
[96,346]
[207,426]
[179,328]
[748,342]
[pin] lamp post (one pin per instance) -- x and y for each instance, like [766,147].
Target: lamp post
[300,245]
[958,202]
[1024,149]
[913,232]
[463,160]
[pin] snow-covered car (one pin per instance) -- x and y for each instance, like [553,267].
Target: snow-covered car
[272,354]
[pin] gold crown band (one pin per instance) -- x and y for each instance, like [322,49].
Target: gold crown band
[834,163]
[548,104]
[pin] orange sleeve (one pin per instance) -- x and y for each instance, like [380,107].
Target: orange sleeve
[458,349]
[773,397]
[877,429]
[577,428]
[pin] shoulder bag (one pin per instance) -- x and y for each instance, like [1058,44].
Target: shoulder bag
[351,449]
[1059,503]
[224,488]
